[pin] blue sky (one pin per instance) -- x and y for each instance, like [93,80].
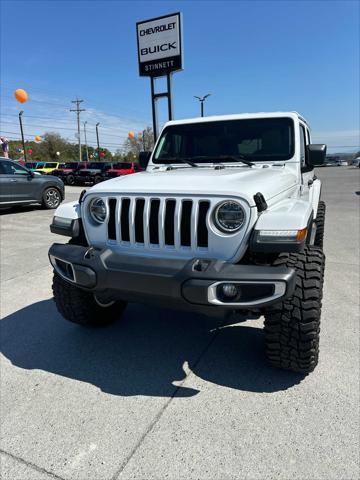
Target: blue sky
[252,56]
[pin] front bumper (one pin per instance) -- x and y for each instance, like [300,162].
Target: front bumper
[190,284]
[84,178]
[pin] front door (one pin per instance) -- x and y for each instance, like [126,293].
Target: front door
[307,171]
[16,184]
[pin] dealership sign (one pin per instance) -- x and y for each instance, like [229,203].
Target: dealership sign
[159,45]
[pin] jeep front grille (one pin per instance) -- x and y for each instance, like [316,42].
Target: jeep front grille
[177,223]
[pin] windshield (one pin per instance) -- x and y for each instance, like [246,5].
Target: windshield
[97,165]
[253,139]
[120,166]
[50,165]
[71,165]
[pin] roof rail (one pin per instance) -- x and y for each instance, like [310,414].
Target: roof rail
[300,117]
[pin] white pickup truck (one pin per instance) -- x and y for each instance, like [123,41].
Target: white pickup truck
[225,219]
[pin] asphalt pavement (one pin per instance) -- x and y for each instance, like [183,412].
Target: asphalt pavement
[169,395]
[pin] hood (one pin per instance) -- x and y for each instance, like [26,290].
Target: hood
[241,182]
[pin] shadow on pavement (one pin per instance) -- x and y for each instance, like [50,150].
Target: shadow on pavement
[19,209]
[142,354]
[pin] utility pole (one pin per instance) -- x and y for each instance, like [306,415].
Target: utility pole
[87,150]
[22,133]
[97,138]
[202,100]
[78,110]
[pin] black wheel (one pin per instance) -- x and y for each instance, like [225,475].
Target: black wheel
[292,327]
[70,179]
[97,179]
[51,198]
[84,308]
[320,225]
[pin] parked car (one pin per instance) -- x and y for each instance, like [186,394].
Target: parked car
[227,220]
[68,171]
[31,165]
[356,162]
[95,172]
[124,168]
[20,186]
[47,167]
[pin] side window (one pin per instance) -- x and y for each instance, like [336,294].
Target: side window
[302,145]
[9,168]
[3,169]
[18,170]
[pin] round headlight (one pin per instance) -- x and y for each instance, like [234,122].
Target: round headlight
[97,210]
[229,217]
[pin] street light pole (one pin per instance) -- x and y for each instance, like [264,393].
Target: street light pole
[202,100]
[97,139]
[86,145]
[22,133]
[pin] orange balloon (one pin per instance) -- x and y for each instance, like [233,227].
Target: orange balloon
[37,138]
[20,95]
[131,135]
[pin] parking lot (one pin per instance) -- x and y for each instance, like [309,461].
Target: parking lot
[165,394]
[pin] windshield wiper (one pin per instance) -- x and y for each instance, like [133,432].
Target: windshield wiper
[175,160]
[234,158]
[237,158]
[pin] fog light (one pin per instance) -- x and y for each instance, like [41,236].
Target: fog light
[228,292]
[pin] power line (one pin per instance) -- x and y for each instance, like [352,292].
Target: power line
[55,127]
[37,101]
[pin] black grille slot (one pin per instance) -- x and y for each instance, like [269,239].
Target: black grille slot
[125,234]
[111,222]
[169,222]
[154,222]
[139,224]
[202,231]
[185,230]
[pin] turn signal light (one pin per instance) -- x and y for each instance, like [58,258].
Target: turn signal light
[301,235]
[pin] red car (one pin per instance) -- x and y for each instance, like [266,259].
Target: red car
[123,169]
[67,172]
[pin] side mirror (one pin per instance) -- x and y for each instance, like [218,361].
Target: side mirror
[316,154]
[31,174]
[144,158]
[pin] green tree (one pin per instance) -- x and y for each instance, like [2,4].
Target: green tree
[143,141]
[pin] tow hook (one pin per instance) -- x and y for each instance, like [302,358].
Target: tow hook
[89,253]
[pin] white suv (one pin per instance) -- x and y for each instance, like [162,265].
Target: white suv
[225,219]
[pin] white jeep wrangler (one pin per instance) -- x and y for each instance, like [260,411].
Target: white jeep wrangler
[226,219]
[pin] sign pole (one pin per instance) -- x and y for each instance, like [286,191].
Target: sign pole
[169,96]
[159,42]
[153,107]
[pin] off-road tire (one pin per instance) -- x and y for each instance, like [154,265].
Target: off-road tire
[320,225]
[70,179]
[97,179]
[51,198]
[292,327]
[79,306]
